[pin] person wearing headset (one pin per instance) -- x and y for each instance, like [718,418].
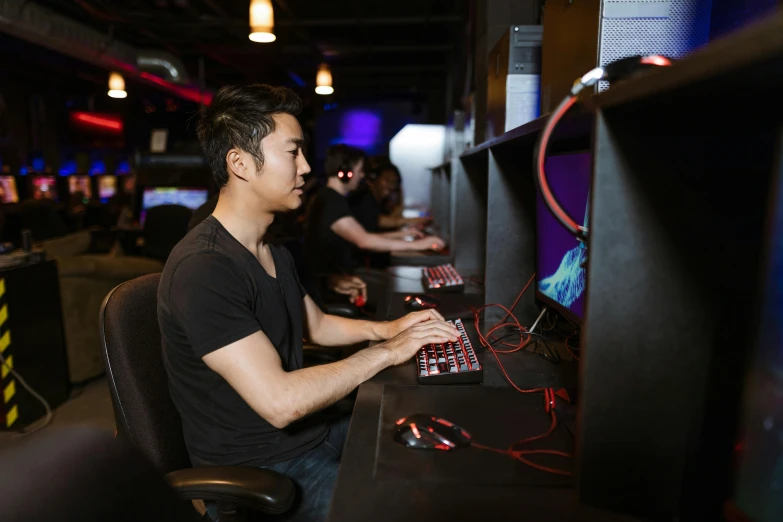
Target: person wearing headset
[332,232]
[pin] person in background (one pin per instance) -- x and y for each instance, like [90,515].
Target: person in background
[393,204]
[367,204]
[233,313]
[332,233]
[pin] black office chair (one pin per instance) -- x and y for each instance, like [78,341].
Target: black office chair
[146,415]
[83,473]
[164,227]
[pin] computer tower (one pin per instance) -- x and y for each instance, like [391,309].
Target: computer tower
[580,35]
[513,80]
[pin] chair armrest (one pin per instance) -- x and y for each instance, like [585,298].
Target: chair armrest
[342,310]
[253,488]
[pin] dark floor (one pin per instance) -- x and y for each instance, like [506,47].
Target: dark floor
[90,404]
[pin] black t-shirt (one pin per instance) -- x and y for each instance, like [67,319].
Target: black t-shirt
[214,292]
[327,252]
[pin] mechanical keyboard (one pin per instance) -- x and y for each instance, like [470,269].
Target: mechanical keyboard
[449,363]
[442,278]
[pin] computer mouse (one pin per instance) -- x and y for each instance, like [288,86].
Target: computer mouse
[421,302]
[423,431]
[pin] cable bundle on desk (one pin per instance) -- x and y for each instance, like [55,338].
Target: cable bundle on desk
[489,341]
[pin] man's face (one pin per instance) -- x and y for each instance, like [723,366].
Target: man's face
[277,186]
[358,175]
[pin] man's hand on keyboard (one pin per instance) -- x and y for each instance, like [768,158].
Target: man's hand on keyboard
[428,243]
[405,345]
[395,328]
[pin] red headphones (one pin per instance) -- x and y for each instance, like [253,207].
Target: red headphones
[345,175]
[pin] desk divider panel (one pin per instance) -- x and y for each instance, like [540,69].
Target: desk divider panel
[679,208]
[511,231]
[471,214]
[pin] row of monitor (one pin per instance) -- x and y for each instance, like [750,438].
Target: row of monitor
[50,187]
[561,259]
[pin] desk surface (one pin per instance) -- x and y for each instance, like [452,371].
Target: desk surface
[366,490]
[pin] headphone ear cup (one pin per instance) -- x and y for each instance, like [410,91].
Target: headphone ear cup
[350,174]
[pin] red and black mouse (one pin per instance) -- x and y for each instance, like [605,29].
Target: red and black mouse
[421,302]
[423,431]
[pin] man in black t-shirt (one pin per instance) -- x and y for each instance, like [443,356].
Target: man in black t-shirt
[233,313]
[333,234]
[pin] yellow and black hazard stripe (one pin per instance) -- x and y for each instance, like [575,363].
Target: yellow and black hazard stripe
[7,382]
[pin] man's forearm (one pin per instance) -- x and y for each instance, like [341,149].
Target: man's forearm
[340,331]
[396,234]
[312,389]
[379,243]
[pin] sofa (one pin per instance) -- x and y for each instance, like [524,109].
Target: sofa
[85,279]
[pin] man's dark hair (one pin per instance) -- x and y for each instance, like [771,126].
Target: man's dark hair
[340,157]
[383,167]
[240,117]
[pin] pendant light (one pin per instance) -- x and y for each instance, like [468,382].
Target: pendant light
[323,80]
[262,21]
[117,86]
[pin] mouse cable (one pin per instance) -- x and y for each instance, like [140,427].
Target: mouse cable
[521,454]
[49,414]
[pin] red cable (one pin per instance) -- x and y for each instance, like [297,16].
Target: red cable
[549,395]
[569,348]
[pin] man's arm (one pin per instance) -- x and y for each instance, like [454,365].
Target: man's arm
[349,229]
[331,330]
[253,368]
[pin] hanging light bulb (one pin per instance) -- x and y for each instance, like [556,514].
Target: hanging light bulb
[262,21]
[323,80]
[117,86]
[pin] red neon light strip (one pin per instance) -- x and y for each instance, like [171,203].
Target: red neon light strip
[99,121]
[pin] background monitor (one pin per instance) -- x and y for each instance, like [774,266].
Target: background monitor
[80,184]
[44,187]
[187,197]
[560,276]
[107,186]
[8,193]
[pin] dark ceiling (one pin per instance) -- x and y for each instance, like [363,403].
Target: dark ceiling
[376,48]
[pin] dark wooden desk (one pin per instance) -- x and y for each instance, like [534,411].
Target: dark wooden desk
[419,258]
[488,487]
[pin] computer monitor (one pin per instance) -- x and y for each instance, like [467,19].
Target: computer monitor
[8,193]
[560,272]
[156,196]
[44,187]
[80,184]
[107,187]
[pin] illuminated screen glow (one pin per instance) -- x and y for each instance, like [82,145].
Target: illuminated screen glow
[80,184]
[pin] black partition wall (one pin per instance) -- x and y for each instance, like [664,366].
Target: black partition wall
[470,212]
[441,199]
[687,166]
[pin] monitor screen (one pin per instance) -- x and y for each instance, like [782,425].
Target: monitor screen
[560,276]
[44,187]
[80,184]
[107,186]
[8,192]
[187,197]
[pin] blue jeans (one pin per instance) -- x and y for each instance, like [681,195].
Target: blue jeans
[314,475]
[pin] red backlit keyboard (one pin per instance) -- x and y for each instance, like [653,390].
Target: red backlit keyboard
[449,363]
[442,278]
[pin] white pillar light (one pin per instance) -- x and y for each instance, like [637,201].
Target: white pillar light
[323,80]
[262,21]
[117,86]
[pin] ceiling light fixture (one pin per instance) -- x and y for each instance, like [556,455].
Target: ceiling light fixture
[323,80]
[262,21]
[117,86]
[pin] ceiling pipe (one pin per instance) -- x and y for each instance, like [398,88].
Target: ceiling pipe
[35,24]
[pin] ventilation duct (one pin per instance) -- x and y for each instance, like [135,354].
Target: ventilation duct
[163,64]
[40,26]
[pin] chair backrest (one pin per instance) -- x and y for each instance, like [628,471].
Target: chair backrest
[164,227]
[143,408]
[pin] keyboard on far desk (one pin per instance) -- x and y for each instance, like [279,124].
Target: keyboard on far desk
[449,363]
[442,278]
